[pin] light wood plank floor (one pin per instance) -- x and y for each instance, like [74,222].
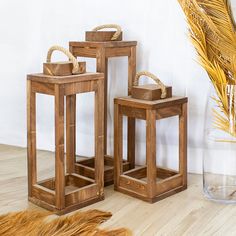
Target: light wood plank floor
[186,213]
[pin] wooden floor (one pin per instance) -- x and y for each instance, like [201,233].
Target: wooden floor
[186,213]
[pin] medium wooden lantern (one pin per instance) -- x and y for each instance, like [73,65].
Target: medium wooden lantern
[103,36]
[67,191]
[65,68]
[150,182]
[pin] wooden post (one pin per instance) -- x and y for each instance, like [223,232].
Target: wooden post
[31,133]
[183,144]
[70,133]
[132,68]
[99,136]
[102,67]
[59,141]
[131,121]
[151,152]
[118,144]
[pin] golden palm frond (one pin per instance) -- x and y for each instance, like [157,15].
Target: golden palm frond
[212,32]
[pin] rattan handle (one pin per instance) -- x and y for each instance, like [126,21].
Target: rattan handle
[67,53]
[152,76]
[109,26]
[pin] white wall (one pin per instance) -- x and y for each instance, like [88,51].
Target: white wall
[28,28]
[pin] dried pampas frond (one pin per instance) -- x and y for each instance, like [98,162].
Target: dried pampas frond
[212,32]
[36,223]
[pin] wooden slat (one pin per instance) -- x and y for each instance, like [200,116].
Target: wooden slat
[118,52]
[136,113]
[117,44]
[82,177]
[131,121]
[31,137]
[43,88]
[109,176]
[167,112]
[48,183]
[85,170]
[132,184]
[78,181]
[163,173]
[44,194]
[64,79]
[141,172]
[88,161]
[108,160]
[102,66]
[99,136]
[183,143]
[126,166]
[169,184]
[59,142]
[84,52]
[137,173]
[118,144]
[131,68]
[70,133]
[81,195]
[137,103]
[151,152]
[80,87]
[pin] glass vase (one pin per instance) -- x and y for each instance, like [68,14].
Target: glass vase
[219,159]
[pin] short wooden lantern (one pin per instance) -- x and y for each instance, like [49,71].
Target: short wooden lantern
[150,182]
[103,36]
[68,191]
[150,92]
[64,68]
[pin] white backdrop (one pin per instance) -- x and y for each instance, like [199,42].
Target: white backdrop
[28,28]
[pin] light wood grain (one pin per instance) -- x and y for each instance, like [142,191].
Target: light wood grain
[184,214]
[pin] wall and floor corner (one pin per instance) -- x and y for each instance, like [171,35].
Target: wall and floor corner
[29,28]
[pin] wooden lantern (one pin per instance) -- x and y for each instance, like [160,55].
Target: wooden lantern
[63,68]
[69,190]
[103,51]
[103,36]
[150,92]
[150,182]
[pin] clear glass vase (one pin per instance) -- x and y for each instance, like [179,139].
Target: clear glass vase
[219,159]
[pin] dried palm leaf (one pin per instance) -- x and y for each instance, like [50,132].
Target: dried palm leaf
[212,32]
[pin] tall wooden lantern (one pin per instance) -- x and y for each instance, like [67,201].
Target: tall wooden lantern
[103,45]
[150,103]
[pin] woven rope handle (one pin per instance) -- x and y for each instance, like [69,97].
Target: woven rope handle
[110,26]
[152,76]
[67,53]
